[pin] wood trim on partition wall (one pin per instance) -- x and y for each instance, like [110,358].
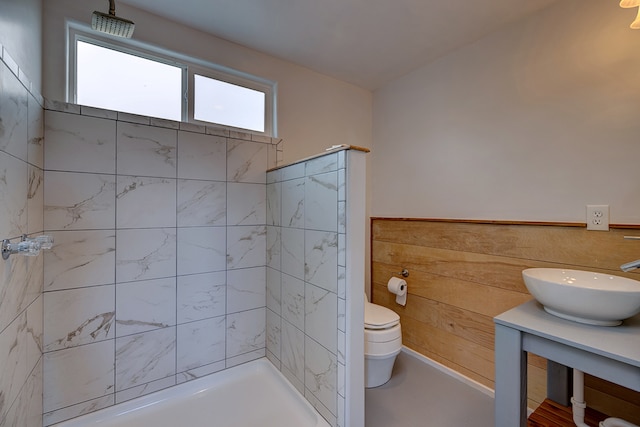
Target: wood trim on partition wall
[463,273]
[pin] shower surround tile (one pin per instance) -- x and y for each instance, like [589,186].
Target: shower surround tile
[20,287]
[274,204]
[201,296]
[35,132]
[322,164]
[85,110]
[274,247]
[177,234]
[293,203]
[80,258]
[21,278]
[73,411]
[92,141]
[146,151]
[342,185]
[274,290]
[13,105]
[246,289]
[292,172]
[313,304]
[342,313]
[91,320]
[230,362]
[35,201]
[69,379]
[35,331]
[199,372]
[202,156]
[145,254]
[293,252]
[201,203]
[342,217]
[146,357]
[321,373]
[246,161]
[133,118]
[321,314]
[246,246]
[145,202]
[145,305]
[273,333]
[13,366]
[292,350]
[321,202]
[150,387]
[246,204]
[79,201]
[321,259]
[201,250]
[293,301]
[13,190]
[201,343]
[246,332]
[27,408]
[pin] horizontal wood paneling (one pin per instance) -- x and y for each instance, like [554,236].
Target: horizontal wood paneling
[463,274]
[558,245]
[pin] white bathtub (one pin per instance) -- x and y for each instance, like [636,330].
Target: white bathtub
[253,394]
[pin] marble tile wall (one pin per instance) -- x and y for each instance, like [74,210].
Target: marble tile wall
[306,280]
[158,274]
[21,212]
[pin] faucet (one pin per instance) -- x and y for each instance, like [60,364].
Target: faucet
[633,264]
[630,265]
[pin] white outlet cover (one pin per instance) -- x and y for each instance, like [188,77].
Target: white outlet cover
[598,217]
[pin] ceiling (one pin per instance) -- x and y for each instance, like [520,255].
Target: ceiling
[364,42]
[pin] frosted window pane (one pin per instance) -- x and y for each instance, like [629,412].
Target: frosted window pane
[228,104]
[106,78]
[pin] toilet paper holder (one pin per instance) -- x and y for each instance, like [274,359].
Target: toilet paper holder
[404,273]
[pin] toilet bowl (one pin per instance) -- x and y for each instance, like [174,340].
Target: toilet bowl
[382,343]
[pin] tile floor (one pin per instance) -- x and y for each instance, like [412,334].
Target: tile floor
[418,395]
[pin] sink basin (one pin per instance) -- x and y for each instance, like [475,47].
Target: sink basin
[583,296]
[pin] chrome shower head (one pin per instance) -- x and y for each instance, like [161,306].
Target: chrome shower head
[111,24]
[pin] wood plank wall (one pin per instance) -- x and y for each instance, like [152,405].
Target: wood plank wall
[462,274]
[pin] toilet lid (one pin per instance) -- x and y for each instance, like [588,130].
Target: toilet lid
[379,317]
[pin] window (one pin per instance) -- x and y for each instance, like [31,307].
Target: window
[114,80]
[133,77]
[228,104]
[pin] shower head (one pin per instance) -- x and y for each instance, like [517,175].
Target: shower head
[111,24]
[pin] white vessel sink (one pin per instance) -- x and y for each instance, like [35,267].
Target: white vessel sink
[583,296]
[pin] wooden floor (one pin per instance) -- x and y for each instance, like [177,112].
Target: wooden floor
[551,414]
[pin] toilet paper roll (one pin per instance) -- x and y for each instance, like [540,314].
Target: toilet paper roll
[398,287]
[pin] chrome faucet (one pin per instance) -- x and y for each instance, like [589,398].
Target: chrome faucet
[630,265]
[633,264]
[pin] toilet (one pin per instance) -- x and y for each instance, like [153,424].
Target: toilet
[382,343]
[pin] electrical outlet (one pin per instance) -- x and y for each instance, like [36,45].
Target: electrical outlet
[598,217]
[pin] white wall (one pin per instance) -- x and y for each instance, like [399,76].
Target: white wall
[531,123]
[314,111]
[21,36]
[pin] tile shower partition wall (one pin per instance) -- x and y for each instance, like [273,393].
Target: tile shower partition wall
[21,196]
[309,292]
[158,273]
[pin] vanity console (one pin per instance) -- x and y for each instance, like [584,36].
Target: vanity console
[610,353]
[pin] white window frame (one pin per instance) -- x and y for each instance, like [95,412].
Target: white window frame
[190,66]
